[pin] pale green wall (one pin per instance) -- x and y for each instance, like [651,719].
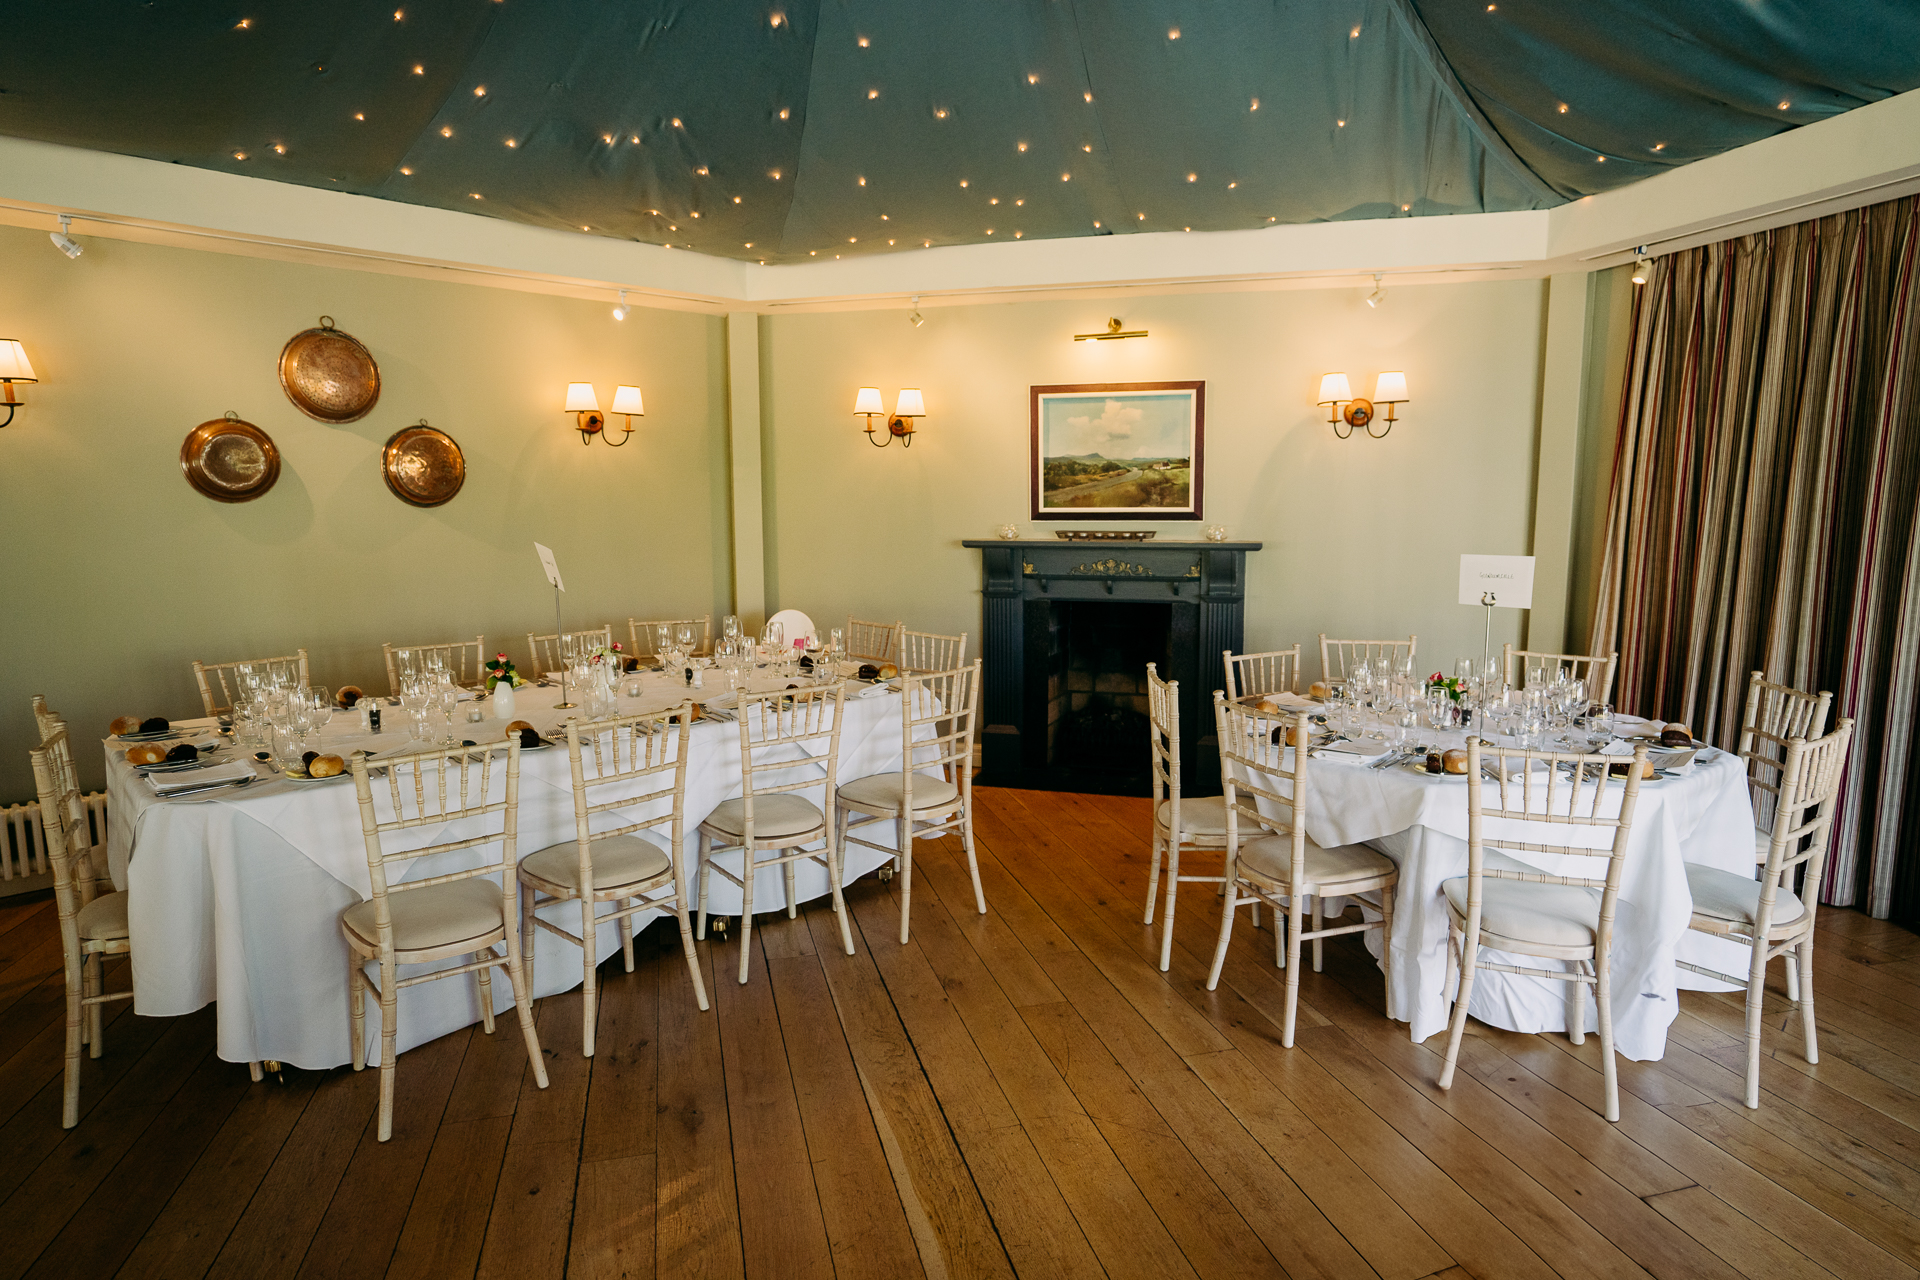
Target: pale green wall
[119,574]
[1610,300]
[1362,536]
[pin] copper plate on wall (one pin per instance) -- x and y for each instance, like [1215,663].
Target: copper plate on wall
[328,375]
[423,465]
[229,460]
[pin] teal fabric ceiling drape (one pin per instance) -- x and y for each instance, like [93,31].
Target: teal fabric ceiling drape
[790,130]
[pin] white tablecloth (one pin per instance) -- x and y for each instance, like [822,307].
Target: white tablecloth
[236,898]
[1421,823]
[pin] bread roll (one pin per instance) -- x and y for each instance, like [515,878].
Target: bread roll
[183,752]
[125,724]
[1267,706]
[868,671]
[349,695]
[1319,689]
[1291,734]
[514,728]
[1454,761]
[888,671]
[1620,770]
[146,753]
[326,767]
[155,724]
[1676,735]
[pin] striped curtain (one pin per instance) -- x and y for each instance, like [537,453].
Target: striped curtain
[1763,508]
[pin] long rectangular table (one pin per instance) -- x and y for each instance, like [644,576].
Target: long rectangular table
[236,896]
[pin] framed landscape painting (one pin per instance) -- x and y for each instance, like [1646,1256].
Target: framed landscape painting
[1118,451]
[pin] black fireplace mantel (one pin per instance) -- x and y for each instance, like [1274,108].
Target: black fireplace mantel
[1204,582]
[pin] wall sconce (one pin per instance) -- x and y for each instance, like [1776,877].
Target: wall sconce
[585,406]
[1112,331]
[1357,412]
[906,407]
[14,367]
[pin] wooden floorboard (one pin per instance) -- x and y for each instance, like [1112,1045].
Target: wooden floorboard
[1020,1092]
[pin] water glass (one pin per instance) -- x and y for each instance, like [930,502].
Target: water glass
[1406,722]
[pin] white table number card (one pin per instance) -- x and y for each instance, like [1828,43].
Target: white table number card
[1509,578]
[553,570]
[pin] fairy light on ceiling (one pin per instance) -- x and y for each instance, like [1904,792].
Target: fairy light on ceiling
[1247,91]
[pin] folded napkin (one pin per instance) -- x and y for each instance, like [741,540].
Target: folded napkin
[876,691]
[1362,748]
[167,784]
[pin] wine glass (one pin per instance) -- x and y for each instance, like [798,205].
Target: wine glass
[775,637]
[683,636]
[447,696]
[730,627]
[1439,709]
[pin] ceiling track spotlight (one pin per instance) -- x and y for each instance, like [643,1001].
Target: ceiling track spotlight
[915,318]
[64,242]
[621,309]
[1642,265]
[1379,294]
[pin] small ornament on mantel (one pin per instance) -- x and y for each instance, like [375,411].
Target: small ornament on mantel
[1009,532]
[1216,533]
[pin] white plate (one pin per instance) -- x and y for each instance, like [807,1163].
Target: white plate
[1415,766]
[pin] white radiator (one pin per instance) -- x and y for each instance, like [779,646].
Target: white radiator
[23,853]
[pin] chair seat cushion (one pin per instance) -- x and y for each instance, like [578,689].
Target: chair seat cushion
[436,918]
[882,791]
[1199,815]
[617,860]
[104,919]
[1271,857]
[1554,915]
[1723,895]
[780,814]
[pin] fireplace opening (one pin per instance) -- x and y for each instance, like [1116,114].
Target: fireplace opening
[1095,671]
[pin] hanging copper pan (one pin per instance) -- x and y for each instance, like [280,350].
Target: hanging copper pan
[423,466]
[229,460]
[328,375]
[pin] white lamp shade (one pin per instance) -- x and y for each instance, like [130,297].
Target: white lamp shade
[867,400]
[909,405]
[1390,387]
[580,397]
[14,365]
[627,400]
[1333,386]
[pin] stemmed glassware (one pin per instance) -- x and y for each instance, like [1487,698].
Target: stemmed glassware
[416,696]
[447,695]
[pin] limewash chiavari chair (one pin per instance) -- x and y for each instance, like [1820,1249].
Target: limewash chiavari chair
[873,641]
[1180,823]
[1504,904]
[91,927]
[1775,714]
[549,652]
[457,914]
[1767,914]
[226,677]
[89,873]
[1338,657]
[617,864]
[943,705]
[465,660]
[781,733]
[1249,674]
[642,636]
[45,718]
[1287,867]
[927,651]
[1596,669]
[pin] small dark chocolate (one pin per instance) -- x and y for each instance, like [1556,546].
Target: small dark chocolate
[155,724]
[184,751]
